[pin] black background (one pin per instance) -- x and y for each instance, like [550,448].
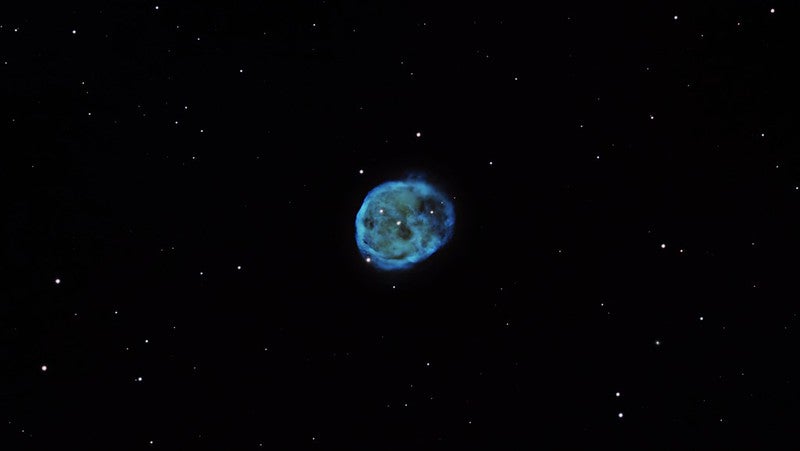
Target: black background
[575,137]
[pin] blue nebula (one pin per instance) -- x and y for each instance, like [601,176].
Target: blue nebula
[402,223]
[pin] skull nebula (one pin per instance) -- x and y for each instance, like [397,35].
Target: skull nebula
[402,223]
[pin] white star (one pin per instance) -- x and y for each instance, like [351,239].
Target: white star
[44,367]
[57,281]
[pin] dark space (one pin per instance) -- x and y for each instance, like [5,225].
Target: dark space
[182,180]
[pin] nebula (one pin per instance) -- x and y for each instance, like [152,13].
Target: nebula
[401,223]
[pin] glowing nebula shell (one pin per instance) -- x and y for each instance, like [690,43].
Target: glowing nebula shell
[401,223]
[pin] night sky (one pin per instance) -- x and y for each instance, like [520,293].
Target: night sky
[182,179]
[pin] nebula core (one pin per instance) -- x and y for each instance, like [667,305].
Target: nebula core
[401,223]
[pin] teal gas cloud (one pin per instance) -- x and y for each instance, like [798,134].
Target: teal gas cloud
[401,223]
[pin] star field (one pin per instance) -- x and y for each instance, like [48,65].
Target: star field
[183,177]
